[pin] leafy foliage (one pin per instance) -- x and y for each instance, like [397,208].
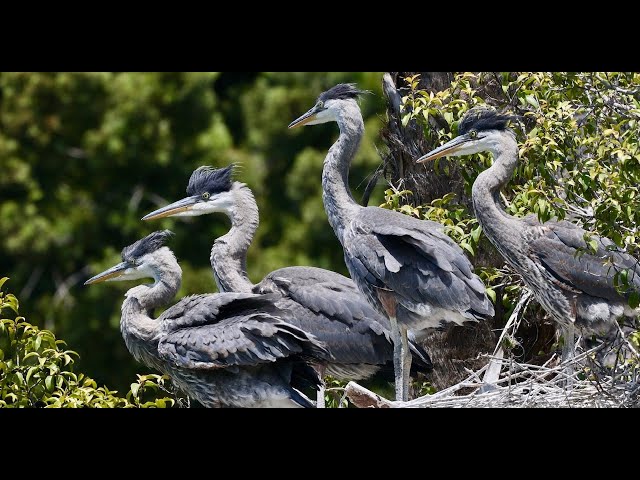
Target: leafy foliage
[83,156]
[36,370]
[579,142]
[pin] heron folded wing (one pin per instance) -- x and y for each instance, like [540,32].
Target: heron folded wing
[564,253]
[432,266]
[207,309]
[238,341]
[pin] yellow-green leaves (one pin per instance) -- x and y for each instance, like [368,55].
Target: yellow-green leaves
[36,371]
[579,145]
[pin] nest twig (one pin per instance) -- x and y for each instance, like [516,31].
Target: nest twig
[505,382]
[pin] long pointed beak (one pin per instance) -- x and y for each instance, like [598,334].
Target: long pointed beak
[113,272]
[448,148]
[176,207]
[304,119]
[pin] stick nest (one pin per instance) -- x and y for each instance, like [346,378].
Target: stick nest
[607,375]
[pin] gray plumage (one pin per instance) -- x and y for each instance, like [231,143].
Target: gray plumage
[210,180]
[224,350]
[432,280]
[148,244]
[406,268]
[482,119]
[573,284]
[321,302]
[341,91]
[330,306]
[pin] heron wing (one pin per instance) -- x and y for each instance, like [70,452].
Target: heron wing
[326,293]
[416,259]
[562,250]
[222,330]
[330,306]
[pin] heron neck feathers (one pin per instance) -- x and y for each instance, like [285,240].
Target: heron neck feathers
[336,195]
[229,252]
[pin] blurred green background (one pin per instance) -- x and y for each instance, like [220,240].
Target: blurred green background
[83,156]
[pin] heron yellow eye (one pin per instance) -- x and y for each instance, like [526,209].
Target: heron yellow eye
[320,105]
[473,134]
[133,262]
[206,195]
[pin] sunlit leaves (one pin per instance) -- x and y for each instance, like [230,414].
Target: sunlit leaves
[579,145]
[36,371]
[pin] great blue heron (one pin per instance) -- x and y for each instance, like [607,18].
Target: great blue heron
[225,349]
[324,303]
[574,284]
[407,268]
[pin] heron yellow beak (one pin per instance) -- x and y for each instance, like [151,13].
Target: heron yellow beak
[304,119]
[448,148]
[113,272]
[172,209]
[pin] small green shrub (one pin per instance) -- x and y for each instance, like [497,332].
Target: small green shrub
[36,370]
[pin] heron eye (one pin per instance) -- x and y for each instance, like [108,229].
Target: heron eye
[133,262]
[473,134]
[206,195]
[320,105]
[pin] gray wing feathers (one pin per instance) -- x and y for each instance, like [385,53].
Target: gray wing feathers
[415,260]
[558,250]
[326,293]
[222,330]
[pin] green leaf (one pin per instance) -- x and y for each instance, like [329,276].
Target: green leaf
[491,293]
[30,373]
[634,299]
[475,233]
[531,100]
[134,389]
[2,280]
[49,383]
[468,248]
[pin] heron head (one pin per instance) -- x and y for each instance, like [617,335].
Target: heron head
[141,259]
[208,192]
[481,129]
[328,105]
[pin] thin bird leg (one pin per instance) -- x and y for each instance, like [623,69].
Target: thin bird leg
[397,359]
[568,351]
[406,363]
[320,403]
[400,345]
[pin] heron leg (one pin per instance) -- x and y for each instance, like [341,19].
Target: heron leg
[401,353]
[401,359]
[568,351]
[406,363]
[320,402]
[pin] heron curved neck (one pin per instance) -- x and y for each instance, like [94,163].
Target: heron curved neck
[336,195]
[139,330]
[497,224]
[229,252]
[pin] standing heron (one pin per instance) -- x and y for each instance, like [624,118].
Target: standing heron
[225,349]
[323,303]
[407,268]
[573,283]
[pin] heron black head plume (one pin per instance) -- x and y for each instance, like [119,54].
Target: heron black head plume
[146,245]
[211,180]
[484,118]
[342,91]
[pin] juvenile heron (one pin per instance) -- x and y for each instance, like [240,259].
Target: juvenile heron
[572,283]
[407,268]
[324,303]
[224,350]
